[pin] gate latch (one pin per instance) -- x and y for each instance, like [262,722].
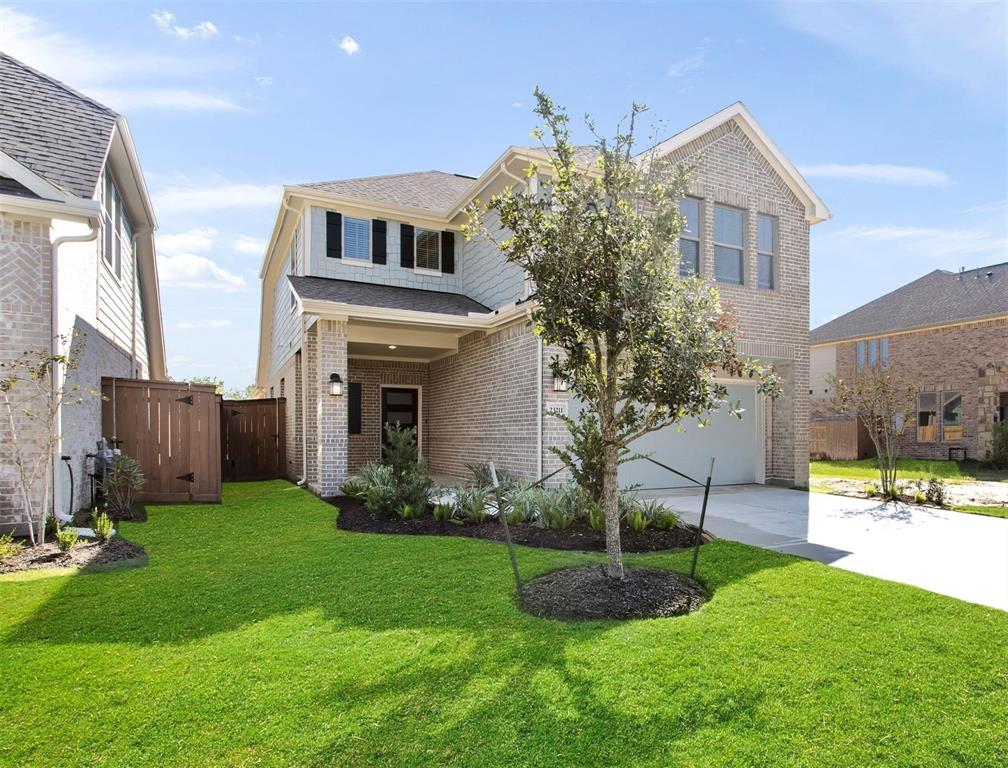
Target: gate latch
[189,477]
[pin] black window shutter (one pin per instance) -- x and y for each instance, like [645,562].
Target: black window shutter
[448,253]
[354,408]
[378,250]
[406,245]
[334,235]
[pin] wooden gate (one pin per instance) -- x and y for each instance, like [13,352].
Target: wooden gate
[253,439]
[172,428]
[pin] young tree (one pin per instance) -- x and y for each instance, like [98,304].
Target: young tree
[34,389]
[884,403]
[642,347]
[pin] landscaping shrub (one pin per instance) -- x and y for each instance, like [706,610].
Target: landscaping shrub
[402,480]
[122,480]
[66,538]
[102,525]
[355,488]
[583,455]
[443,512]
[519,505]
[471,504]
[999,445]
[552,510]
[871,490]
[661,517]
[9,547]
[637,517]
[596,516]
[937,492]
[482,479]
[407,512]
[919,497]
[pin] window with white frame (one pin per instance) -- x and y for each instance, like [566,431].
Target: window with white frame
[117,234]
[428,249]
[356,239]
[766,242]
[689,237]
[729,231]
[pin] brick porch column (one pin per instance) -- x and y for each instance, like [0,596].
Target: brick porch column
[330,412]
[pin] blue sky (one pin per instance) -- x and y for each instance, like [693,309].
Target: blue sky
[897,113]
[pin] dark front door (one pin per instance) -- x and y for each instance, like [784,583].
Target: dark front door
[399,406]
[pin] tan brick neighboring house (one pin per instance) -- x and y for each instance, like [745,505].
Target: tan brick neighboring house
[76,257]
[945,333]
[369,290]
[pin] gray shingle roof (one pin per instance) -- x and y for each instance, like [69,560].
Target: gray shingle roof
[386,296]
[431,190]
[938,297]
[51,129]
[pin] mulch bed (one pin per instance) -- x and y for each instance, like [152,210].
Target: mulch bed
[579,536]
[586,592]
[82,518]
[85,553]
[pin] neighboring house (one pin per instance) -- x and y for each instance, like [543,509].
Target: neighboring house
[946,334]
[369,283]
[76,257]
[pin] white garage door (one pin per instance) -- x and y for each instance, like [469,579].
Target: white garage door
[736,446]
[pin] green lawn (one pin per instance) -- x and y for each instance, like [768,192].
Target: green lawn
[260,635]
[908,469]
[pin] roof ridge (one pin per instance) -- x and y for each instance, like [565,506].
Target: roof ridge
[60,84]
[388,176]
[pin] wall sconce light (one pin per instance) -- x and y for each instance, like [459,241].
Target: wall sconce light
[559,385]
[335,385]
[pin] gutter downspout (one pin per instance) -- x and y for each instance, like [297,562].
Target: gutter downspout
[56,373]
[303,481]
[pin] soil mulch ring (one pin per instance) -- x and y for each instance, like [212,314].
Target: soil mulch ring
[579,536]
[586,592]
[86,553]
[138,514]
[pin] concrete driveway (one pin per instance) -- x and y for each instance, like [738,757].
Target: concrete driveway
[952,553]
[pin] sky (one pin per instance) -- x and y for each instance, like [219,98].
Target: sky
[897,114]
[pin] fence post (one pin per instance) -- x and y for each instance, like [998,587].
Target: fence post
[703,514]
[507,532]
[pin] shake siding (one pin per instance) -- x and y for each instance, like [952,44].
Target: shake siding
[486,276]
[286,322]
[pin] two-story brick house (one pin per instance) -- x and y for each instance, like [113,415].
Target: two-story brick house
[76,260]
[375,309]
[946,334]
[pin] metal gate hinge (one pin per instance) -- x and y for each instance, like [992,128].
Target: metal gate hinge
[186,399]
[189,477]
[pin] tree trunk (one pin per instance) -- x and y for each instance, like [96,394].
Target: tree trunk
[610,496]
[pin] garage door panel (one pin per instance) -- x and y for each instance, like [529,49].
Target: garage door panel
[735,445]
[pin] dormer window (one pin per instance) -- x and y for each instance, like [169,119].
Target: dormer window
[428,249]
[356,239]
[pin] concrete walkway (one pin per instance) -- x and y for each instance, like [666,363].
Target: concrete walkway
[952,553]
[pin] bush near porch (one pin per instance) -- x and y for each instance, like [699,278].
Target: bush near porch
[260,634]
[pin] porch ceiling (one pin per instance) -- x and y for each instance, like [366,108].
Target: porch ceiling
[401,340]
[401,352]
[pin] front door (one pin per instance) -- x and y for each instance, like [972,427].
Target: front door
[399,405]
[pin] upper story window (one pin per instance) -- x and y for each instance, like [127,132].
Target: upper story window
[428,249]
[873,352]
[766,242]
[356,239]
[689,237]
[117,234]
[729,230]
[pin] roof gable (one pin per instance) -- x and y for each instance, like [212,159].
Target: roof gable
[938,298]
[57,133]
[815,209]
[427,190]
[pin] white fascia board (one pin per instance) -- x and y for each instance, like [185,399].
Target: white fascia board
[339,311]
[12,169]
[815,209]
[78,210]
[125,139]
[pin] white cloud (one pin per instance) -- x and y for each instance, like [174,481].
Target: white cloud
[200,240]
[686,64]
[998,206]
[516,104]
[177,99]
[900,175]
[264,82]
[932,244]
[165,21]
[960,42]
[212,323]
[250,245]
[349,46]
[189,270]
[215,197]
[248,40]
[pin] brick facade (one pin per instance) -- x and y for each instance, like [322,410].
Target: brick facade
[728,169]
[25,322]
[970,358]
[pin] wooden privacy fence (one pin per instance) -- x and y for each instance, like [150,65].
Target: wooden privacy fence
[253,439]
[840,440]
[172,429]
